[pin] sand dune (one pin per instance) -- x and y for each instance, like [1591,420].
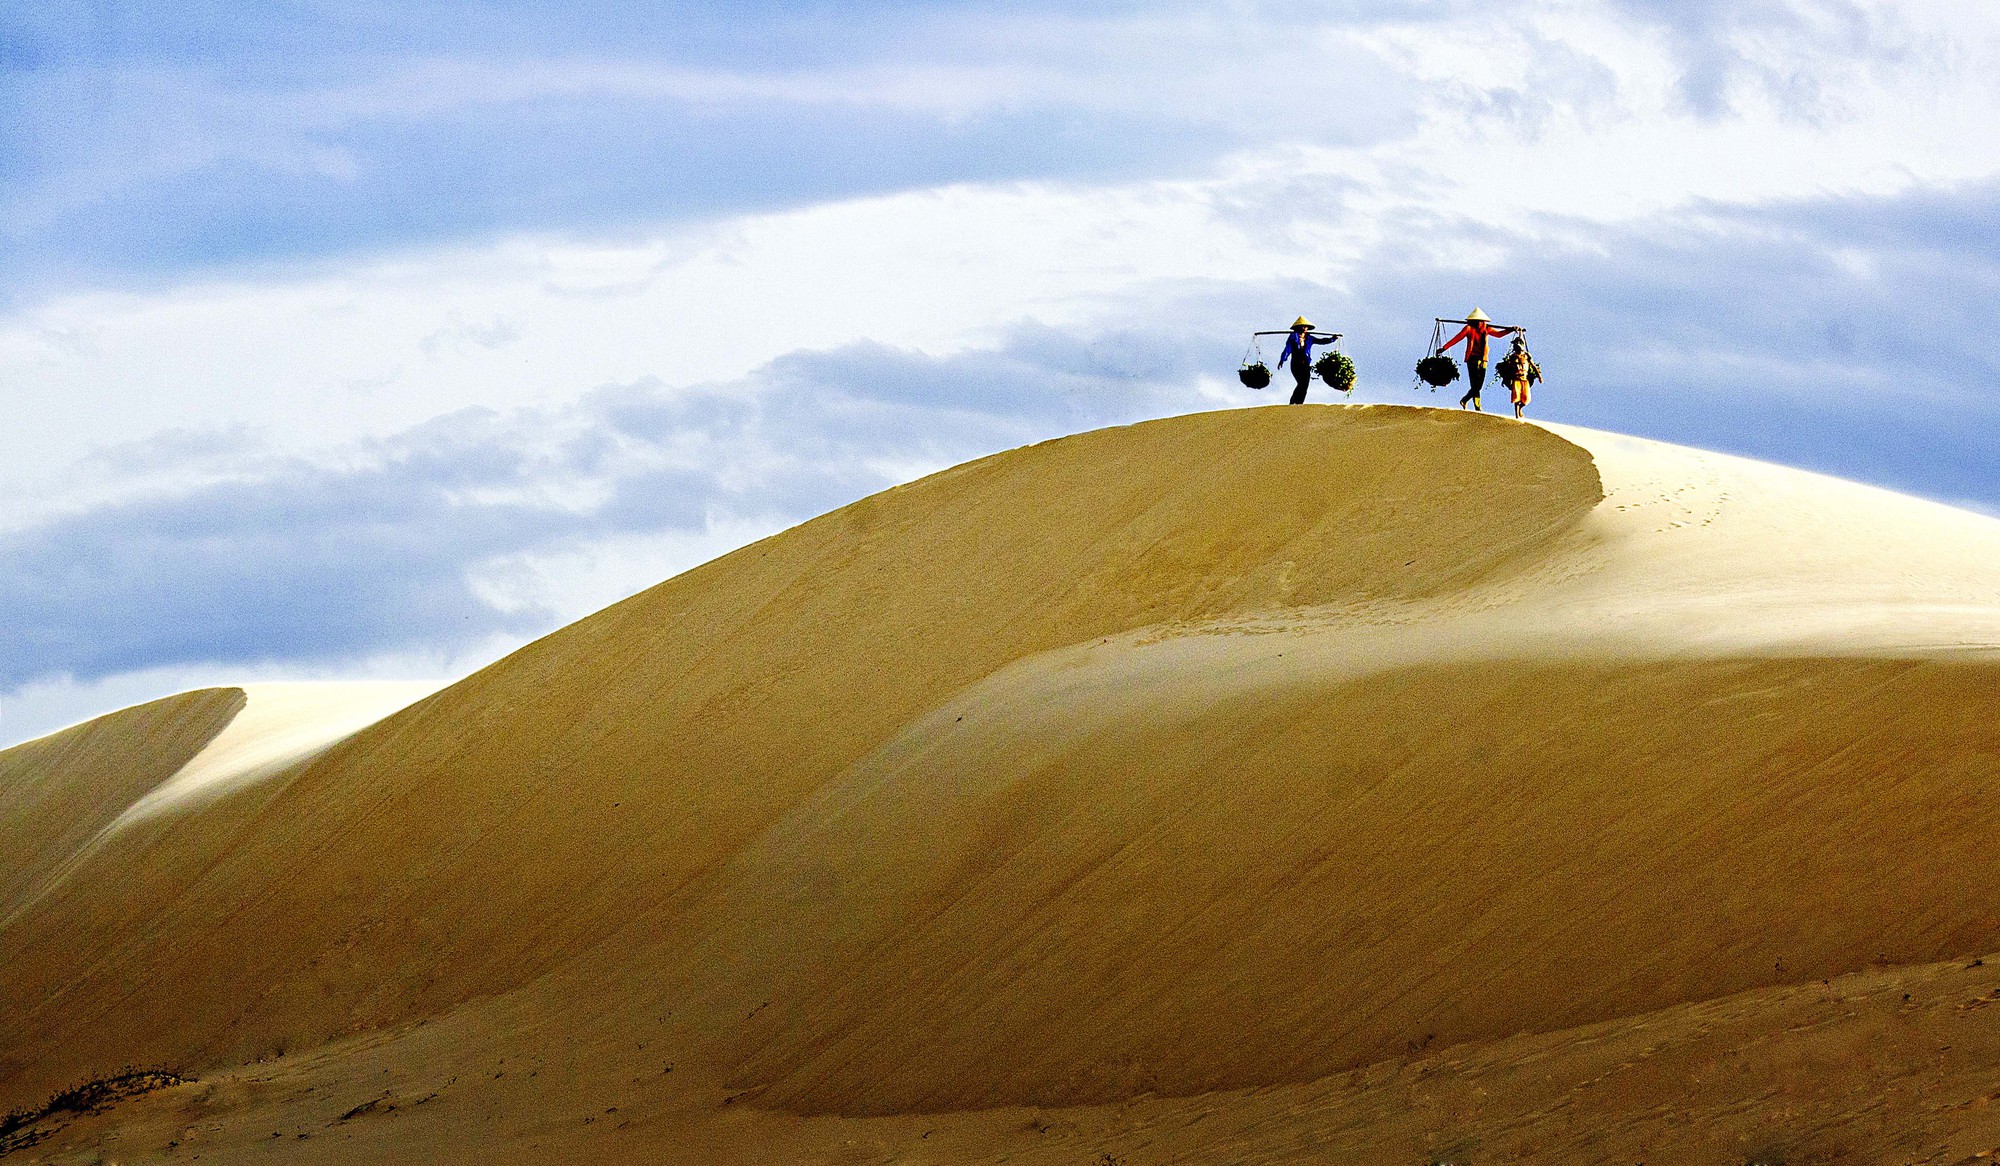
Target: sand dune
[1222,753]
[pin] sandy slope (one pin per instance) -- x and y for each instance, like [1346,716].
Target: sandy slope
[65,794]
[1892,1065]
[1229,752]
[60,791]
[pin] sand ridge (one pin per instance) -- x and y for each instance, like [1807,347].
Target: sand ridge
[282,725]
[59,791]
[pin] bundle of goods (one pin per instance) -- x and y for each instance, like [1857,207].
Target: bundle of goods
[1255,375]
[1518,366]
[1437,371]
[1337,371]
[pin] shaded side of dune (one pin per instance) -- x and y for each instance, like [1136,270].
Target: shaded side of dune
[500,828]
[1284,881]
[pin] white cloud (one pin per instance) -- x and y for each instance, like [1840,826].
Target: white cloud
[342,355]
[1568,123]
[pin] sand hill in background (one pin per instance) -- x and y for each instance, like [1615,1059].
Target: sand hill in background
[1175,788]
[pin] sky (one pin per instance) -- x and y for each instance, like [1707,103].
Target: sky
[368,340]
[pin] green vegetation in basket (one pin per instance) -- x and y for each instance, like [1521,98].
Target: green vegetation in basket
[1437,371]
[1337,371]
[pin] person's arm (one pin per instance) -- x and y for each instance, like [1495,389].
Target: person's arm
[1464,335]
[1287,353]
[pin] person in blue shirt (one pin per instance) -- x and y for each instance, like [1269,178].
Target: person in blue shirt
[1298,350]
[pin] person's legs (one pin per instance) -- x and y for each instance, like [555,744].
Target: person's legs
[1519,391]
[1476,374]
[1304,376]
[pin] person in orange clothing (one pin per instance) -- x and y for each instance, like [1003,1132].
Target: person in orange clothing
[1519,370]
[1479,327]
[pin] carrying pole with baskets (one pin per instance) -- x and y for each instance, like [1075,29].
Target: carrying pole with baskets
[1334,368]
[1438,370]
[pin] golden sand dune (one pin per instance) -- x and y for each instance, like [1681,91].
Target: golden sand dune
[1224,753]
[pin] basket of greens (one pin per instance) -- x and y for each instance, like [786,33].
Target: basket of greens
[1437,371]
[1337,371]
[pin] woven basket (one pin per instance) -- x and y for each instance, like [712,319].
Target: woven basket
[1437,371]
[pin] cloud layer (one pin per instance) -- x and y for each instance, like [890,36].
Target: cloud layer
[363,333]
[1843,335]
[407,542]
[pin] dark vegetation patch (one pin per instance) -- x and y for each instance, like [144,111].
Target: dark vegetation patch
[28,1126]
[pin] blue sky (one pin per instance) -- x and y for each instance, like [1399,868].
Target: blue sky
[373,339]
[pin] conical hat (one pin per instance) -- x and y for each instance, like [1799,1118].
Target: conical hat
[1476,314]
[1302,322]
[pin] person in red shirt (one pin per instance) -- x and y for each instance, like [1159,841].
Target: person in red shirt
[1479,327]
